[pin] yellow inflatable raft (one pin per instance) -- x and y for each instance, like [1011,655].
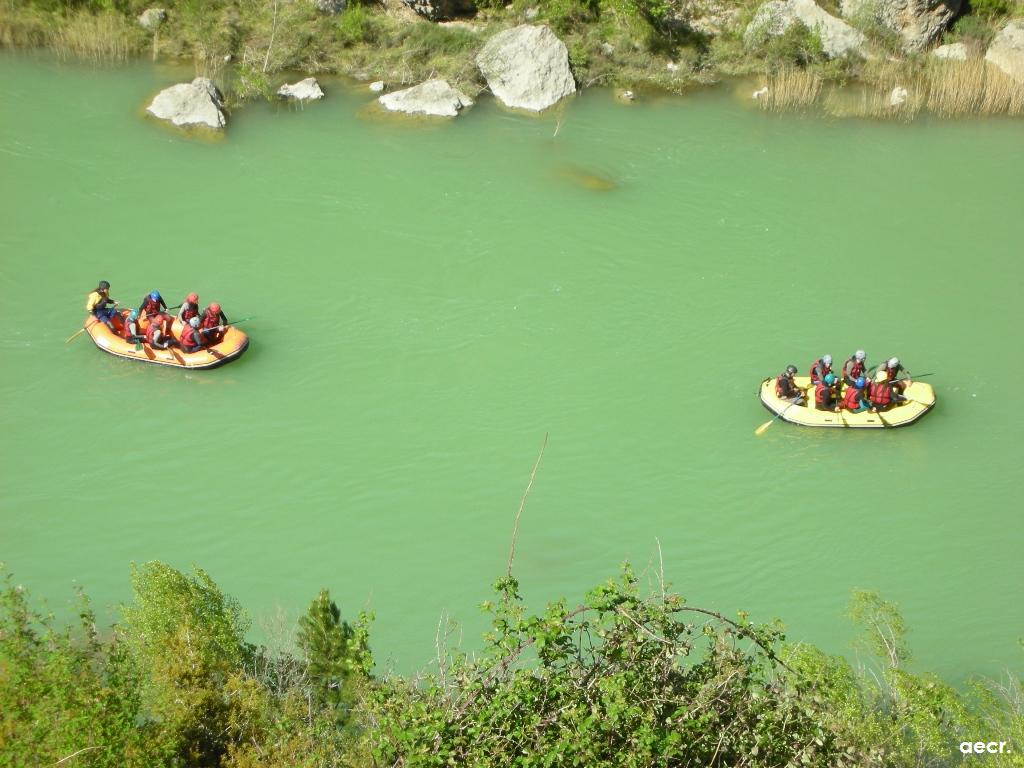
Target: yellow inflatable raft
[920,400]
[231,347]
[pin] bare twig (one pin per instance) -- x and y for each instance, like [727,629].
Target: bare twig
[75,754]
[273,31]
[522,503]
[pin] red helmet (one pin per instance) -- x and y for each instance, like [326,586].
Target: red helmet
[215,308]
[192,298]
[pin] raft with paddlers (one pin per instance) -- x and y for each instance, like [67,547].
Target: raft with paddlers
[230,345]
[919,399]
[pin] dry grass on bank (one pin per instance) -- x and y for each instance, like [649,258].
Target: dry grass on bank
[791,90]
[101,38]
[944,88]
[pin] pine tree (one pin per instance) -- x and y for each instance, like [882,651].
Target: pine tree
[330,648]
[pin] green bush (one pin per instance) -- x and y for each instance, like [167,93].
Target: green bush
[798,44]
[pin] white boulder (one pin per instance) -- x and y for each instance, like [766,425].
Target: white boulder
[187,104]
[377,86]
[898,97]
[951,52]
[774,17]
[304,90]
[151,18]
[433,97]
[527,67]
[1007,50]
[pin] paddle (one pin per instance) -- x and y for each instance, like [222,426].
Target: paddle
[764,427]
[75,335]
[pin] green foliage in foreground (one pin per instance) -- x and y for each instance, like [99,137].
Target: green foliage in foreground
[624,678]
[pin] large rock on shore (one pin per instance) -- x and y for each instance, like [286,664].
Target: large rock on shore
[188,104]
[304,90]
[527,67]
[433,97]
[918,22]
[776,16]
[952,52]
[1007,50]
[151,18]
[435,10]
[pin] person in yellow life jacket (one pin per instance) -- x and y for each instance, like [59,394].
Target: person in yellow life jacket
[101,306]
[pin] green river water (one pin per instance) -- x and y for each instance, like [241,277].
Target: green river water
[432,298]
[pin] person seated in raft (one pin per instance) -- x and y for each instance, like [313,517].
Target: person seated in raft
[158,334]
[820,368]
[786,388]
[855,367]
[101,305]
[152,305]
[189,308]
[191,338]
[893,369]
[880,392]
[824,395]
[854,399]
[130,331]
[211,324]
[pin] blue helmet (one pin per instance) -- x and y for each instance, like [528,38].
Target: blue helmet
[133,315]
[830,379]
[154,295]
[859,383]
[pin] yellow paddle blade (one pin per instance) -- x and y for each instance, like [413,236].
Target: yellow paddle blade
[764,427]
[75,335]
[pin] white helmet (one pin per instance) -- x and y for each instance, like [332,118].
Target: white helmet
[194,322]
[860,354]
[827,359]
[893,362]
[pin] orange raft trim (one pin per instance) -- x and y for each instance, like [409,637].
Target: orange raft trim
[231,347]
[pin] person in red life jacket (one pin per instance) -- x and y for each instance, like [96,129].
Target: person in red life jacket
[158,334]
[189,308]
[824,395]
[191,338]
[820,369]
[880,392]
[854,399]
[152,305]
[211,324]
[786,388]
[855,367]
[892,370]
[130,331]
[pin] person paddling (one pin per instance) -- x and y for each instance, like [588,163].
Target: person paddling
[130,331]
[191,339]
[101,305]
[893,369]
[212,323]
[785,386]
[854,367]
[820,368]
[158,334]
[880,392]
[824,395]
[853,398]
[189,308]
[151,305]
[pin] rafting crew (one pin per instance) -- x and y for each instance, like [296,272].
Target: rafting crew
[855,398]
[825,395]
[212,324]
[189,308]
[130,330]
[820,368]
[158,334]
[786,388]
[101,305]
[151,305]
[855,367]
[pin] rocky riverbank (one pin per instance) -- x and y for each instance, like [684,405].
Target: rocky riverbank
[437,56]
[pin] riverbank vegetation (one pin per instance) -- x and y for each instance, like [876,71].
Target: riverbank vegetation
[247,46]
[631,676]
